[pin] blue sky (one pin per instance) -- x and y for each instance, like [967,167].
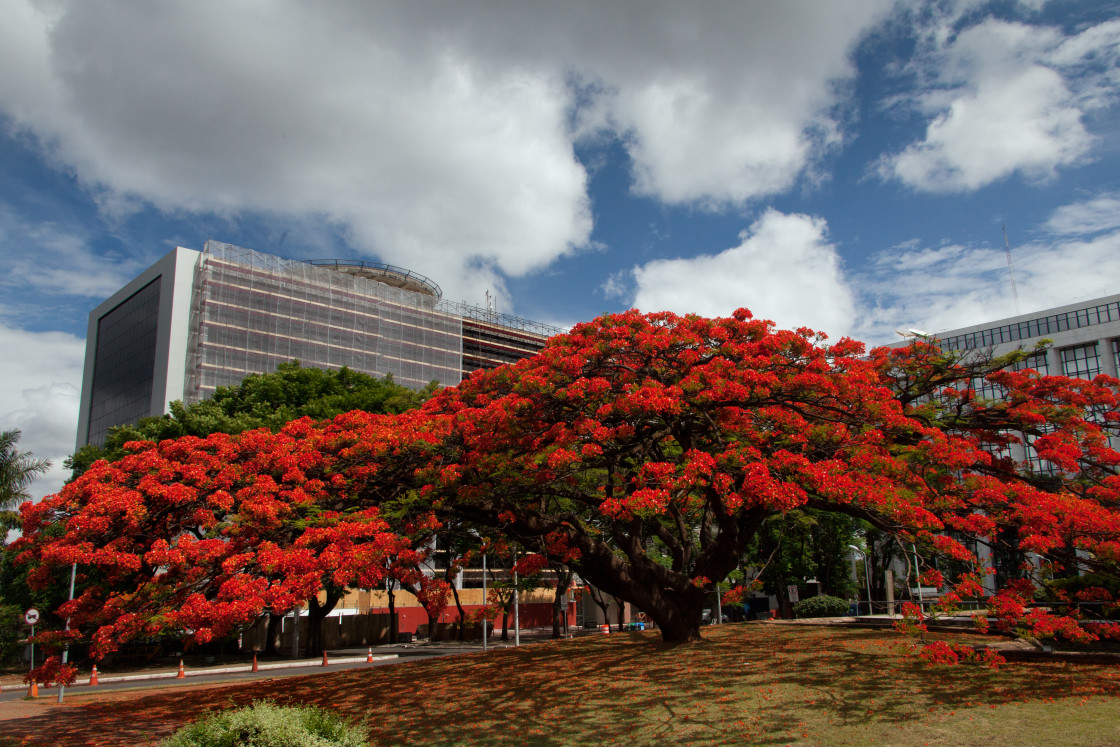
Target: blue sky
[845,166]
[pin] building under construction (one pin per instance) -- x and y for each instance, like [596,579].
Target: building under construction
[195,321]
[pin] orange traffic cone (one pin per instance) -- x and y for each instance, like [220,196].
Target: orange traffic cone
[33,690]
[181,674]
[369,655]
[93,676]
[254,663]
[324,658]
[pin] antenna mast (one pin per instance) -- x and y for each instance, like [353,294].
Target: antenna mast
[1010,273]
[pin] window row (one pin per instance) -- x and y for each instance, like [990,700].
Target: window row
[1040,327]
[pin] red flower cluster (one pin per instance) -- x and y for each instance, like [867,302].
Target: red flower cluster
[52,672]
[940,652]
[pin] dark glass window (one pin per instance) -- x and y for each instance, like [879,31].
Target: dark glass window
[1081,362]
[124,363]
[1036,361]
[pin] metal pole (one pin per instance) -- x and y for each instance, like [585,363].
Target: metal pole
[917,574]
[719,606]
[485,622]
[867,575]
[516,607]
[66,629]
[855,580]
[855,577]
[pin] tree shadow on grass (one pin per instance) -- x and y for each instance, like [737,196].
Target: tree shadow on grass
[746,684]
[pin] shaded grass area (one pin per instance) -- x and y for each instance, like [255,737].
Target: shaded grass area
[746,684]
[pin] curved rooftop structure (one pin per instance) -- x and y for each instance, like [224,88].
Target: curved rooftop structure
[397,277]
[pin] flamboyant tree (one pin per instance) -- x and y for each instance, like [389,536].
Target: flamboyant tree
[681,433]
[645,452]
[199,537]
[684,434]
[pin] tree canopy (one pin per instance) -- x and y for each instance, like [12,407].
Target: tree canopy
[646,452]
[137,590]
[261,401]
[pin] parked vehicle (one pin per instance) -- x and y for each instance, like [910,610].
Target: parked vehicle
[706,617]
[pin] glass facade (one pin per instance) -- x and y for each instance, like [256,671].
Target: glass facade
[124,363]
[1081,362]
[1040,327]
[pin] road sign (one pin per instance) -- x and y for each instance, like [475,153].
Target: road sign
[31,617]
[791,591]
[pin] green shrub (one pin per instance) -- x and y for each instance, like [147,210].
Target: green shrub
[266,724]
[822,606]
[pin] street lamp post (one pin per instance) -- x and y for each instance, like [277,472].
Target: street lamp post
[866,574]
[66,648]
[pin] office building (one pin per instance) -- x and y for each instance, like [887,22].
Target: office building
[194,321]
[1085,337]
[1084,343]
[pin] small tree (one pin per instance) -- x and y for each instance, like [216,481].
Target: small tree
[17,470]
[260,401]
[520,574]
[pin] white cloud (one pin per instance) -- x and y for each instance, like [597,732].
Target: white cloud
[723,103]
[61,262]
[439,136]
[1100,213]
[417,149]
[40,381]
[952,286]
[1005,98]
[784,270]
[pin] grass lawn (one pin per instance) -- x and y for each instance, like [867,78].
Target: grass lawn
[746,684]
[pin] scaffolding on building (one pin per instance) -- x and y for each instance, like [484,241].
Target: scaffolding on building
[254,311]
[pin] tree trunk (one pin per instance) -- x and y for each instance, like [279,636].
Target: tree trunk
[563,582]
[462,614]
[677,612]
[621,613]
[505,624]
[271,640]
[557,613]
[433,621]
[678,626]
[785,609]
[316,613]
[600,602]
[393,625]
[416,591]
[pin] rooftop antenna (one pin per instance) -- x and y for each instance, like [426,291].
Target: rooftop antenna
[1010,273]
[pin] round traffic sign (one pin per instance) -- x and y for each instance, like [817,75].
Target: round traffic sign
[31,617]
